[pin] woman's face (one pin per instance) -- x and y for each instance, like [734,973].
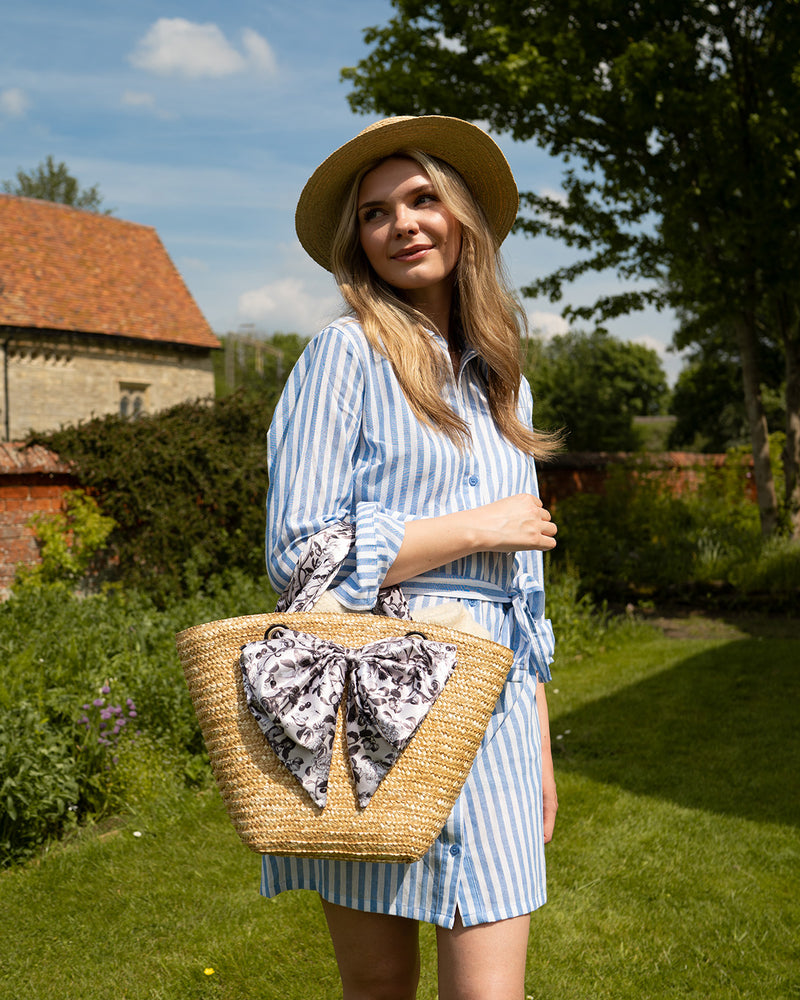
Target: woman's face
[411,240]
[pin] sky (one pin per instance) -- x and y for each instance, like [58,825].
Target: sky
[205,119]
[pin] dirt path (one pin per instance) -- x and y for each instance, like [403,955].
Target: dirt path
[699,625]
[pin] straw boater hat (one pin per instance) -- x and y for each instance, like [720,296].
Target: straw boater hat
[464,146]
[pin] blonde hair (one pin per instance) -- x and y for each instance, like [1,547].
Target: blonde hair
[484,312]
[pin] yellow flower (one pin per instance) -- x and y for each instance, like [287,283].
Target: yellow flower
[208,972]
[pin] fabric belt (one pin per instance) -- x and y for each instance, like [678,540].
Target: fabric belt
[526,600]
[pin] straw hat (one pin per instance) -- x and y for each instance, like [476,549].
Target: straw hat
[467,148]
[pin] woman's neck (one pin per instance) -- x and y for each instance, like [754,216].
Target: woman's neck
[435,304]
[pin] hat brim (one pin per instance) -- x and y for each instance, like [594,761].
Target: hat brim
[466,147]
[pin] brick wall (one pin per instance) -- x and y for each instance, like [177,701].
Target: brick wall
[32,481]
[586,472]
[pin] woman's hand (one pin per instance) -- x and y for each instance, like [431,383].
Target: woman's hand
[508,525]
[514,523]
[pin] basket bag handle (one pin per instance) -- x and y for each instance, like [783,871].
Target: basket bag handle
[295,681]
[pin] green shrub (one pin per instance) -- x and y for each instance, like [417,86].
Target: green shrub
[632,539]
[68,542]
[95,715]
[39,781]
[185,488]
[638,541]
[581,625]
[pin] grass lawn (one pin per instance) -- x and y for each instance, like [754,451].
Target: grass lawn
[675,871]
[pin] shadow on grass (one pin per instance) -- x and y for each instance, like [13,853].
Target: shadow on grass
[717,732]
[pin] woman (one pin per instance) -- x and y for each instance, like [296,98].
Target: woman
[409,418]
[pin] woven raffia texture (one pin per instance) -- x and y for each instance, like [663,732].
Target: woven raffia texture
[269,809]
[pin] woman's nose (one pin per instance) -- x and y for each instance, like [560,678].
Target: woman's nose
[405,222]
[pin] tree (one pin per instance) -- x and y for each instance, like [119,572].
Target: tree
[51,181]
[707,402]
[679,125]
[593,385]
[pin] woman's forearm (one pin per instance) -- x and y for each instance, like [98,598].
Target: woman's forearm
[549,796]
[509,525]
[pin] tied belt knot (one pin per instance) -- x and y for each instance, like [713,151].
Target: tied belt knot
[295,682]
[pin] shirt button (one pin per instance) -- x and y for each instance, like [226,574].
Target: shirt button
[473,480]
[455,849]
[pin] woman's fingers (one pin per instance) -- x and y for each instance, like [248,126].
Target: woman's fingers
[518,522]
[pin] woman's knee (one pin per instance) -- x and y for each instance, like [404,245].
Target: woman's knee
[377,955]
[385,982]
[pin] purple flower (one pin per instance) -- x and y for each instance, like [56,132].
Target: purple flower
[83,721]
[131,715]
[121,722]
[105,689]
[116,710]
[130,704]
[99,702]
[103,725]
[115,760]
[86,707]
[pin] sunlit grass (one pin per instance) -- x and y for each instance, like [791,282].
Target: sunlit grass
[675,871]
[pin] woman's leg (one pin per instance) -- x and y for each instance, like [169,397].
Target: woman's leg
[484,962]
[377,955]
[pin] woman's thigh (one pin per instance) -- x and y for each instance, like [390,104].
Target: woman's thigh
[484,962]
[377,954]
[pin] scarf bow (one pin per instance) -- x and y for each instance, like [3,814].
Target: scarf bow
[295,682]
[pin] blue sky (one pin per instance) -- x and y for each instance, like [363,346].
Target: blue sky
[204,120]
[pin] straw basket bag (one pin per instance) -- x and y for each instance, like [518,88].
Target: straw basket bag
[414,790]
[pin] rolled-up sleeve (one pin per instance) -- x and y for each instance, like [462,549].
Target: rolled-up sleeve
[312,446]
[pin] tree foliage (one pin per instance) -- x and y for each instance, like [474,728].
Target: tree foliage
[593,385]
[707,401]
[185,487]
[51,181]
[679,126]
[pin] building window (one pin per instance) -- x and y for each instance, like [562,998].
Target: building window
[132,399]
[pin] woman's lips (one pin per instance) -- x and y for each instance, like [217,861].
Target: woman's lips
[412,253]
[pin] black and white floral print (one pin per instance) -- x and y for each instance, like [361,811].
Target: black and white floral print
[294,684]
[295,681]
[317,566]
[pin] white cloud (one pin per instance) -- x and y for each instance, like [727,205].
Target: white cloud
[555,194]
[136,99]
[259,52]
[653,343]
[140,99]
[547,324]
[14,102]
[451,44]
[175,46]
[286,304]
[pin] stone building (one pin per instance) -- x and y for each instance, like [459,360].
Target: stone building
[94,319]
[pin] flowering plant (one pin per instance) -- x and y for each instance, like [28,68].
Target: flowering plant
[105,722]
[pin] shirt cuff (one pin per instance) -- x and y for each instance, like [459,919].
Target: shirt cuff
[379,535]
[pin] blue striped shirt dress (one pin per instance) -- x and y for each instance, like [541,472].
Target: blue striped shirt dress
[345,445]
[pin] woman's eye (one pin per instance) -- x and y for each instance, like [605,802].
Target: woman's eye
[370,214]
[425,198]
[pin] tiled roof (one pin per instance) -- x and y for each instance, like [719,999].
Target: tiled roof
[66,269]
[18,458]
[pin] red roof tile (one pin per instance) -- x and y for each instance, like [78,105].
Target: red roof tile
[18,458]
[66,269]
